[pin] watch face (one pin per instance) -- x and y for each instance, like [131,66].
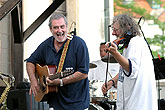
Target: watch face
[61,82]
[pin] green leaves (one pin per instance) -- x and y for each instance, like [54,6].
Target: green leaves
[158,42]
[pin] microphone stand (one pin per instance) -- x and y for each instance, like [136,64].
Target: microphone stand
[105,102]
[105,95]
[107,62]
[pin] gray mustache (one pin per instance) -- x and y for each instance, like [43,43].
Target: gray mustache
[60,33]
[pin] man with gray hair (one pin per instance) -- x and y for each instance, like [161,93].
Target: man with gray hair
[64,51]
[136,84]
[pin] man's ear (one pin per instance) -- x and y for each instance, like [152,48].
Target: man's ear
[51,30]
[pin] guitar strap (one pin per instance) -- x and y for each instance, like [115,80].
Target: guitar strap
[62,59]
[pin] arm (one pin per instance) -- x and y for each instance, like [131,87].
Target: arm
[109,84]
[34,87]
[77,76]
[120,59]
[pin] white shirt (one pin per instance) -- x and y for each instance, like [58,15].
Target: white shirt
[99,73]
[138,91]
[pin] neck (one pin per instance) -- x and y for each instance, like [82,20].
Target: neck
[58,45]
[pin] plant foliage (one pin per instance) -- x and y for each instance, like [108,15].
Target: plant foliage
[158,40]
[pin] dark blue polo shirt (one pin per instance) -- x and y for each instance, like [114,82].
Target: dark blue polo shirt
[74,96]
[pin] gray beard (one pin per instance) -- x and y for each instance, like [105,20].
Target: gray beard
[60,40]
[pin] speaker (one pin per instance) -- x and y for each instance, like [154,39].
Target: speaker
[19,99]
[162,104]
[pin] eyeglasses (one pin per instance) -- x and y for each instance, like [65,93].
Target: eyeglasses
[114,29]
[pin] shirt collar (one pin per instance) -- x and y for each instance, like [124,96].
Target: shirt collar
[51,44]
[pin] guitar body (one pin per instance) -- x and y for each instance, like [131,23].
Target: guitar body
[42,73]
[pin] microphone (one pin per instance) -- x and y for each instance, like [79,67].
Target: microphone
[74,31]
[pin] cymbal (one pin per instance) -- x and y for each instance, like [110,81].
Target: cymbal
[91,65]
[111,59]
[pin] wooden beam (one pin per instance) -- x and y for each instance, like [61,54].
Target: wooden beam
[16,16]
[18,63]
[41,19]
[8,7]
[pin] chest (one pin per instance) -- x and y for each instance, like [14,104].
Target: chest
[52,57]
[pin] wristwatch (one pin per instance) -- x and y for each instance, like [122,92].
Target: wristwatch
[61,82]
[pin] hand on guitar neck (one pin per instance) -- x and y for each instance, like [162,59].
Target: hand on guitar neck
[42,72]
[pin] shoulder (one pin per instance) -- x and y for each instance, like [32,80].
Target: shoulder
[78,40]
[47,42]
[138,40]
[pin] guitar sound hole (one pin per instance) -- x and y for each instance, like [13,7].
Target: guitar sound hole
[43,87]
[44,80]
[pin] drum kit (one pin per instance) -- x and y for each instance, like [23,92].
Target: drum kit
[97,100]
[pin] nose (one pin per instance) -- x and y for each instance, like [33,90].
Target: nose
[113,32]
[59,29]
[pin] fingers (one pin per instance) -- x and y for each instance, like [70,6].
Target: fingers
[52,82]
[104,89]
[108,44]
[30,91]
[48,81]
[112,48]
[34,88]
[113,45]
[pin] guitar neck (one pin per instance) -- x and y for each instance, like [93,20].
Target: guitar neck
[58,75]
[55,76]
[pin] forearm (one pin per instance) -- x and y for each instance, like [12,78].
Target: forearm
[115,79]
[30,67]
[122,60]
[77,76]
[109,84]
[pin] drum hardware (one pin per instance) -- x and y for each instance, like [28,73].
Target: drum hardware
[97,98]
[95,88]
[104,104]
[91,65]
[95,107]
[109,60]
[113,94]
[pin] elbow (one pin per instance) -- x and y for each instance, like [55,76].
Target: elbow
[85,76]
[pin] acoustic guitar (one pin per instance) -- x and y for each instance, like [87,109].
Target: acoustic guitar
[42,72]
